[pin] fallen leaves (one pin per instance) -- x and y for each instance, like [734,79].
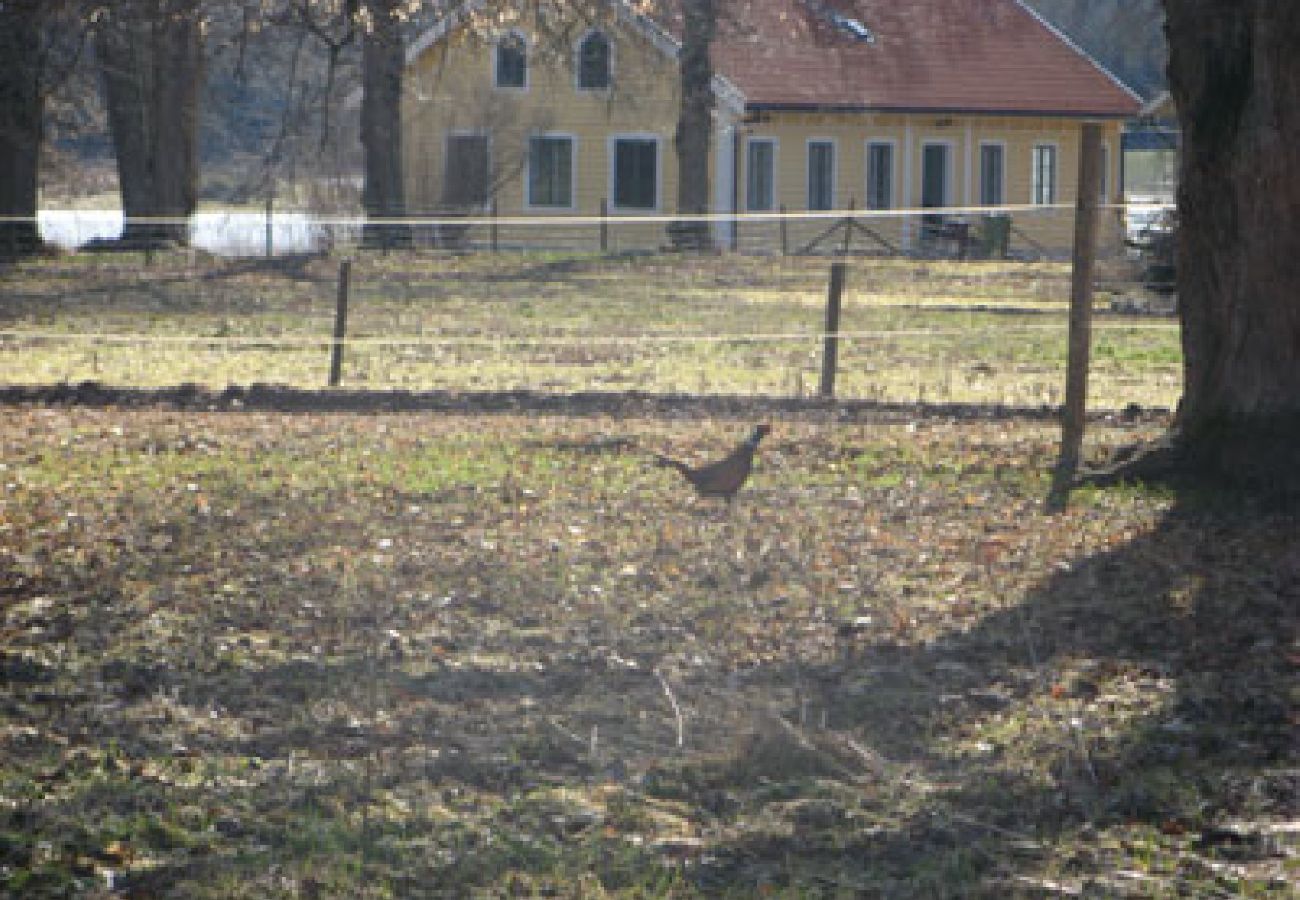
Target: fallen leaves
[374,646]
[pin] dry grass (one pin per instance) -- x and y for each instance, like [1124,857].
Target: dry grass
[979,332]
[253,655]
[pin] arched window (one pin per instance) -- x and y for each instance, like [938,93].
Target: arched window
[512,61]
[593,62]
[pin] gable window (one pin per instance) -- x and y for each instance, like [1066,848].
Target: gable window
[465,172]
[636,172]
[594,63]
[821,175]
[511,61]
[1044,184]
[992,174]
[880,175]
[550,172]
[760,176]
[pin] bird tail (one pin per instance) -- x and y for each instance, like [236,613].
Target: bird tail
[668,463]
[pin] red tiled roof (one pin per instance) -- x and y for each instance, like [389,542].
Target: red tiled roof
[991,56]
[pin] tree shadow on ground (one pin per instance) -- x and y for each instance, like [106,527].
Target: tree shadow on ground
[978,761]
[181,284]
[993,728]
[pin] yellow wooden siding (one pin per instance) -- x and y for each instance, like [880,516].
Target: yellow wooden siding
[449,88]
[908,134]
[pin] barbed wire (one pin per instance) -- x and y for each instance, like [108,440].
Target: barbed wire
[312,341]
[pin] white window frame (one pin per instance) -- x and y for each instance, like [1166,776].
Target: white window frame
[1002,175]
[611,154]
[1036,197]
[892,144]
[528,61]
[772,187]
[808,157]
[577,63]
[571,206]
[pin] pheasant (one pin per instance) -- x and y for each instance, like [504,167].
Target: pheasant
[724,477]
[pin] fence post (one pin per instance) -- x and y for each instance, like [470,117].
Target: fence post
[831,337]
[340,323]
[604,225]
[492,230]
[270,212]
[785,234]
[1085,255]
[848,226]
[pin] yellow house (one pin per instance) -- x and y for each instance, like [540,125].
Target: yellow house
[909,117]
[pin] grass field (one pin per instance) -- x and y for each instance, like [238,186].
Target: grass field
[986,333]
[474,652]
[259,655]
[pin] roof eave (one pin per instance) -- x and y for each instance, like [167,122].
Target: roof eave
[936,110]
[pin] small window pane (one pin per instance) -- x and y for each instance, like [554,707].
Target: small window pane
[1044,174]
[550,171]
[880,176]
[934,175]
[465,181]
[991,175]
[512,62]
[760,193]
[821,175]
[636,173]
[593,63]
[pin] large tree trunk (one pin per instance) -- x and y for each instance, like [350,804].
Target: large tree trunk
[1234,73]
[383,61]
[21,117]
[695,123]
[151,61]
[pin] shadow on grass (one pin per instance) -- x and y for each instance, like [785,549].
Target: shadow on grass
[400,747]
[639,404]
[1201,611]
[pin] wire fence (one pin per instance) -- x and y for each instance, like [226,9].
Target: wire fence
[1029,231]
[946,321]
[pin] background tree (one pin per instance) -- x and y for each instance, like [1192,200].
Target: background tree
[22,113]
[1126,36]
[694,135]
[380,25]
[1235,75]
[383,61]
[150,55]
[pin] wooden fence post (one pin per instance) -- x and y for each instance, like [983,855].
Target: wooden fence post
[785,234]
[604,225]
[340,323]
[270,213]
[1085,256]
[848,226]
[831,337]
[492,230]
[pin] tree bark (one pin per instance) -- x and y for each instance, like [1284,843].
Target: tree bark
[151,62]
[1234,74]
[383,62]
[22,109]
[694,134]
